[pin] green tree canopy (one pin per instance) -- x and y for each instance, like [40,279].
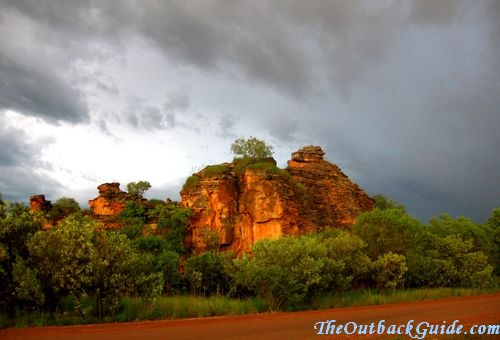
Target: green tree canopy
[62,260]
[137,189]
[390,230]
[286,270]
[251,148]
[64,206]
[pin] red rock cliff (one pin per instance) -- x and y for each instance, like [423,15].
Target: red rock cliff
[243,204]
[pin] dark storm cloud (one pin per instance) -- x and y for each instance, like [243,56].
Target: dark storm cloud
[32,60]
[278,43]
[30,90]
[18,164]
[406,92]
[14,151]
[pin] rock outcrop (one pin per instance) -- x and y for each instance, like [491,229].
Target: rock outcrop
[245,203]
[42,209]
[38,203]
[337,199]
[109,204]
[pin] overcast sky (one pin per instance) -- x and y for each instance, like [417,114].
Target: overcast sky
[403,95]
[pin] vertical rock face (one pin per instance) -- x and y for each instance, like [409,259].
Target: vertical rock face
[245,204]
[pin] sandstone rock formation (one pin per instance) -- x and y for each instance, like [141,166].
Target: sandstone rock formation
[337,199]
[109,204]
[38,203]
[246,203]
[42,208]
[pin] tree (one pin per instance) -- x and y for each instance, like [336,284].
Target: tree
[133,216]
[448,261]
[172,220]
[494,224]
[482,235]
[64,206]
[251,148]
[291,269]
[206,274]
[63,259]
[382,203]
[119,271]
[137,189]
[390,230]
[16,227]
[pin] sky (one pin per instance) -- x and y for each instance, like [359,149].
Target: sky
[403,95]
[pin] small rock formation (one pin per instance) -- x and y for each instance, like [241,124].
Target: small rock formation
[243,204]
[110,201]
[38,203]
[42,209]
[109,204]
[337,199]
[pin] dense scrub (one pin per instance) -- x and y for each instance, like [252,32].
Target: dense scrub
[79,261]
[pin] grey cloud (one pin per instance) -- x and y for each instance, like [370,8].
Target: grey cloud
[19,164]
[15,151]
[29,90]
[147,116]
[442,12]
[31,68]
[215,34]
[226,127]
[177,102]
[19,183]
[284,128]
[276,43]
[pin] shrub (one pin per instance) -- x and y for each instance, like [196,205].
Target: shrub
[291,269]
[388,270]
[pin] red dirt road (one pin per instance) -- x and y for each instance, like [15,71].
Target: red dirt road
[480,310]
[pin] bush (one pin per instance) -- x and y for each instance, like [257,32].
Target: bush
[349,249]
[291,269]
[388,270]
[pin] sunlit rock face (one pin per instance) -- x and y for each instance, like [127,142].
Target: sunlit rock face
[241,205]
[110,201]
[109,204]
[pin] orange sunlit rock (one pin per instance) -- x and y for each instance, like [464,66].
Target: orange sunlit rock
[245,205]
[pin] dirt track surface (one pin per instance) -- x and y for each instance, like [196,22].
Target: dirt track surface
[468,310]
